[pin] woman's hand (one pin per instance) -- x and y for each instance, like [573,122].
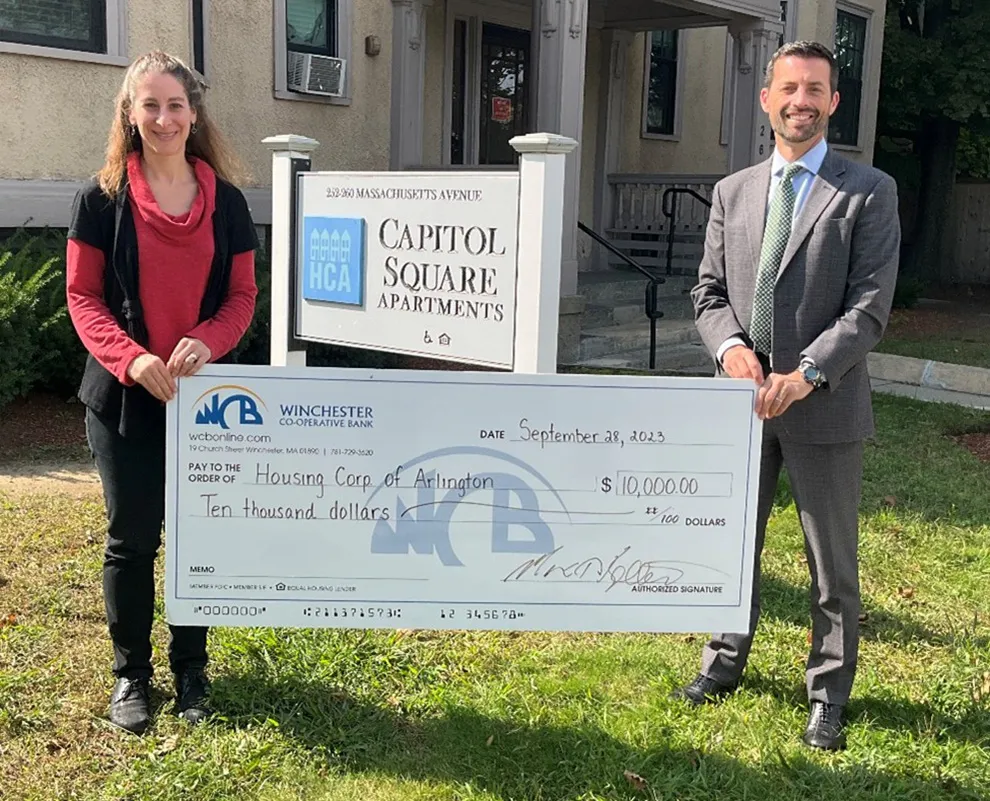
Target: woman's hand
[189,355]
[150,372]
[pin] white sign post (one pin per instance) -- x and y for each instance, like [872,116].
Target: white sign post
[290,155]
[461,265]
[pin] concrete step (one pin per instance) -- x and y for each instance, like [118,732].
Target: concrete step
[600,315]
[626,287]
[611,340]
[684,360]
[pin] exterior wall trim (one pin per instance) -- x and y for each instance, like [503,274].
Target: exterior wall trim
[43,203]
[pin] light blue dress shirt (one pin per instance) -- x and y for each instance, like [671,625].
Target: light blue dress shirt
[812,163]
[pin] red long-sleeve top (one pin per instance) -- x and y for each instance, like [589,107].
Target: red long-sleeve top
[175,255]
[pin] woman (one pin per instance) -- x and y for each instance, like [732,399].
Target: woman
[160,281]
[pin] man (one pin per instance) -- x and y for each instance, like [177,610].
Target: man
[793,292]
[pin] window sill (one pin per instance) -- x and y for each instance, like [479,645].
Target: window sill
[847,148]
[284,94]
[661,137]
[65,55]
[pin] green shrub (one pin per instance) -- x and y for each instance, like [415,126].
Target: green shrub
[28,321]
[57,355]
[907,292]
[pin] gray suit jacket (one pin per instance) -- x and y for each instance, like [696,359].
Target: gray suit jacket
[833,293]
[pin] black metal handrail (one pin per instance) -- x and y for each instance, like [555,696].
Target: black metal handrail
[671,215]
[650,305]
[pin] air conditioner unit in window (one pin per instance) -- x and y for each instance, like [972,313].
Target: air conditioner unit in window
[316,75]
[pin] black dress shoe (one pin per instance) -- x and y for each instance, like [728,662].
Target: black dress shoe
[192,690]
[129,705]
[703,690]
[826,728]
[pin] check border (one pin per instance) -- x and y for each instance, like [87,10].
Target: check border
[433,381]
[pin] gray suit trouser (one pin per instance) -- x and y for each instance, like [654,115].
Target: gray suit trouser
[826,481]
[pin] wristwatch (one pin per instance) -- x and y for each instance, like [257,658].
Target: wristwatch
[811,373]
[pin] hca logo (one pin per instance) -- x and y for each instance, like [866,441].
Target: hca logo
[214,412]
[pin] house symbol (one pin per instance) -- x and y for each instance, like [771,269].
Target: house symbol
[444,339]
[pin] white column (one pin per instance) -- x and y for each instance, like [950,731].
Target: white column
[290,155]
[408,70]
[542,206]
[749,131]
[560,106]
[615,47]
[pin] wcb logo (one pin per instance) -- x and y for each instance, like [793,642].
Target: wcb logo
[222,405]
[500,501]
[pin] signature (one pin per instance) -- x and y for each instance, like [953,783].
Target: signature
[595,570]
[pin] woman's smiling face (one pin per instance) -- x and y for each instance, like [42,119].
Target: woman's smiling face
[160,109]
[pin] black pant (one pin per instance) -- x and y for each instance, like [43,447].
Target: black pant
[133,475]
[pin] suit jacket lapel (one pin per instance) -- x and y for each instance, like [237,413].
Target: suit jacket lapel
[755,201]
[823,189]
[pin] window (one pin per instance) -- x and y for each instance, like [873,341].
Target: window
[73,30]
[850,53]
[660,101]
[459,92]
[65,24]
[199,28]
[311,26]
[318,27]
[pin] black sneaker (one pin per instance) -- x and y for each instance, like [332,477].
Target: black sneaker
[129,705]
[192,690]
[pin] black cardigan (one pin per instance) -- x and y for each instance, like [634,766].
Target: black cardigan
[107,223]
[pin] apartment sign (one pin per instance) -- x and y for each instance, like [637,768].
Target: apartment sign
[419,263]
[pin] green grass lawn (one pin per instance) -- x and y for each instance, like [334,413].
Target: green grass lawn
[955,333]
[331,715]
[974,352]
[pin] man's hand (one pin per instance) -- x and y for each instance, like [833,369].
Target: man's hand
[189,355]
[778,392]
[150,372]
[741,362]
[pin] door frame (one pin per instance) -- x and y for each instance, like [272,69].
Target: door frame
[474,13]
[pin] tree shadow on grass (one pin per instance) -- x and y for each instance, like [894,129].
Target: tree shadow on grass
[520,759]
[788,603]
[892,714]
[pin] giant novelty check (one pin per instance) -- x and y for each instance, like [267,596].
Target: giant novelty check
[322,497]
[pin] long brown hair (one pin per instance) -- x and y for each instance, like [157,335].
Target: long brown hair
[206,143]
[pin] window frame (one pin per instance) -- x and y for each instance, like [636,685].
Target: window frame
[865,94]
[475,13]
[679,84]
[342,38]
[204,69]
[115,40]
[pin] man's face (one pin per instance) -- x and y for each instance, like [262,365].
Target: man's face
[799,101]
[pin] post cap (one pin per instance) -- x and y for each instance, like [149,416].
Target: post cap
[543,143]
[300,144]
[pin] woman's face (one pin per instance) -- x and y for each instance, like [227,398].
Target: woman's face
[162,114]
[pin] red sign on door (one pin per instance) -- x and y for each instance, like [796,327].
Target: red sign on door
[501,109]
